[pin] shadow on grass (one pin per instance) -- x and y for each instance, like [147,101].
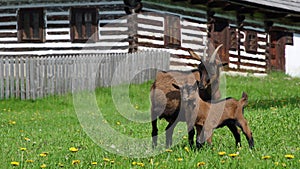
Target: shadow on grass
[281,102]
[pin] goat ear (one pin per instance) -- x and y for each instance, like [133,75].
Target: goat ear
[194,55]
[175,85]
[245,96]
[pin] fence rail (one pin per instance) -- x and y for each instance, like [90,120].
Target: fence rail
[37,77]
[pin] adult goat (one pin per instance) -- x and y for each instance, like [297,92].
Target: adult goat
[165,99]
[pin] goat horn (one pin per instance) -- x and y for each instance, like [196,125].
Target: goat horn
[213,56]
[194,55]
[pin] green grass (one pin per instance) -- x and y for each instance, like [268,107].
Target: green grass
[53,126]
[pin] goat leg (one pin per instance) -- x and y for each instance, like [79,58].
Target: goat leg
[154,133]
[191,136]
[243,124]
[236,134]
[199,144]
[169,133]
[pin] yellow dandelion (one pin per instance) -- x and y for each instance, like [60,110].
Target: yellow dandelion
[43,166]
[200,164]
[180,159]
[140,164]
[169,150]
[11,122]
[289,156]
[118,123]
[112,161]
[265,157]
[106,159]
[43,154]
[186,149]
[75,162]
[134,163]
[23,149]
[73,149]
[136,106]
[94,163]
[221,153]
[233,155]
[27,139]
[29,161]
[15,163]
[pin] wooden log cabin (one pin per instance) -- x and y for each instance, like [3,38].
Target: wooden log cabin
[253,33]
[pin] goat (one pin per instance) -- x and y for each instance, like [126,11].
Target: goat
[165,99]
[211,115]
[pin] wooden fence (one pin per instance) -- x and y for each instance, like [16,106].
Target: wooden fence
[37,77]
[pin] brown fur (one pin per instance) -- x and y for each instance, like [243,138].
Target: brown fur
[211,115]
[165,99]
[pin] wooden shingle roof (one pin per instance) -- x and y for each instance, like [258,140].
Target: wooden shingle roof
[290,5]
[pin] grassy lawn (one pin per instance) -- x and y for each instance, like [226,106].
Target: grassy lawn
[48,133]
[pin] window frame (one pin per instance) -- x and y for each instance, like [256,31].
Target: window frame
[79,33]
[172,31]
[251,41]
[31,29]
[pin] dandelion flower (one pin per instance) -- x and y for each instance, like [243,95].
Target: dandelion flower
[75,162]
[289,156]
[200,164]
[221,153]
[232,155]
[134,163]
[106,159]
[43,166]
[23,149]
[73,149]
[11,122]
[180,159]
[112,161]
[186,149]
[27,139]
[118,123]
[29,161]
[94,163]
[15,163]
[265,157]
[44,154]
[140,164]
[169,150]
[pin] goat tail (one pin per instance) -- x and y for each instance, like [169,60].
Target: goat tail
[244,99]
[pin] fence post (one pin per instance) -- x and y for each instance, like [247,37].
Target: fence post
[1,78]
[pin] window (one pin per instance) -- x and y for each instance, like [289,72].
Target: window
[31,25]
[233,39]
[84,24]
[172,31]
[251,42]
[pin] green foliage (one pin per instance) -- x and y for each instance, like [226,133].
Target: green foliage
[48,127]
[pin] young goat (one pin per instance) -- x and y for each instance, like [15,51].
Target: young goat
[211,115]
